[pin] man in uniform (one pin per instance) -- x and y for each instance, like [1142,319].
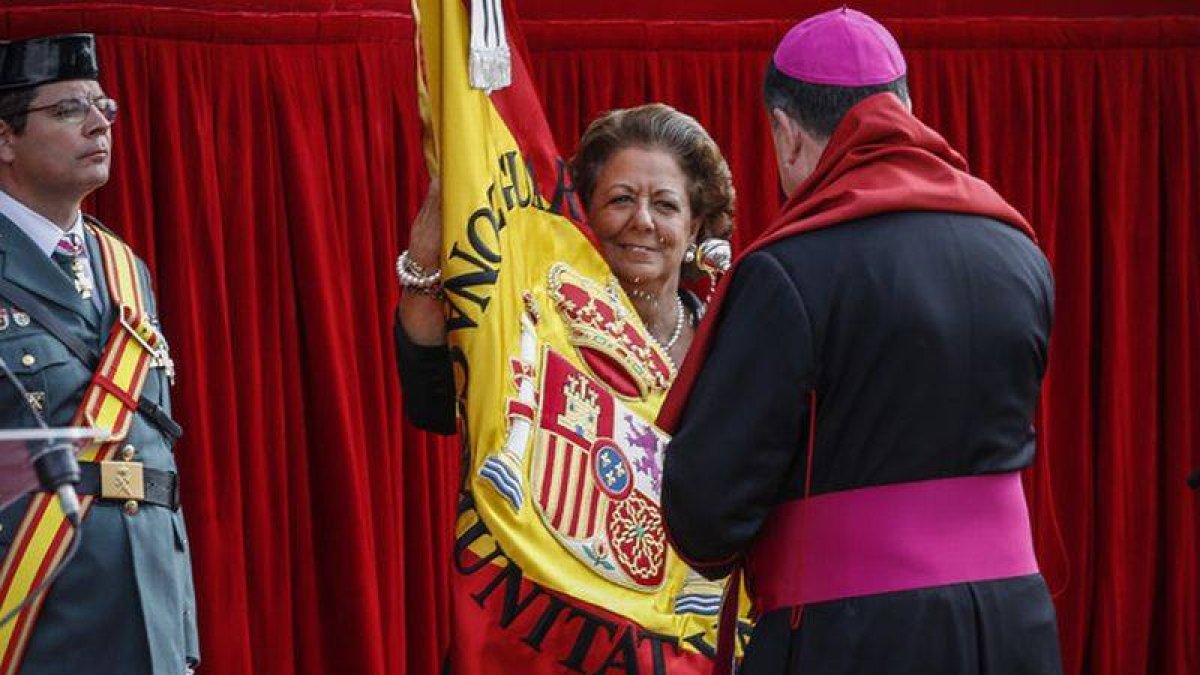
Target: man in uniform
[70,292]
[852,437]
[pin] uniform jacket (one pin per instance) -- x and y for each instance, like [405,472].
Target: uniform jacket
[126,603]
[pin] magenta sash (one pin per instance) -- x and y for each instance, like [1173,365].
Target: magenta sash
[892,538]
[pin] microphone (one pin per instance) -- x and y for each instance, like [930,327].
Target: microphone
[55,464]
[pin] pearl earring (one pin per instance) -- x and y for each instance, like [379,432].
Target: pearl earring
[689,254]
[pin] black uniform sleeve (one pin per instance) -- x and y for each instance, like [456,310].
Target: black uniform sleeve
[746,421]
[427,378]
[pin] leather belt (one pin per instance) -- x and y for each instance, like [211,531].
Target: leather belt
[129,481]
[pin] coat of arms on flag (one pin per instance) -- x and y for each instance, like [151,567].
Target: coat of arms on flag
[596,464]
[600,505]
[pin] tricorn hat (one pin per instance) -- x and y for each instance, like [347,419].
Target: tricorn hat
[28,63]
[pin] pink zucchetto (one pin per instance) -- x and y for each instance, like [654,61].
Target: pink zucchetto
[840,47]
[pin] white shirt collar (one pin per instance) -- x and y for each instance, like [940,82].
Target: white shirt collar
[36,226]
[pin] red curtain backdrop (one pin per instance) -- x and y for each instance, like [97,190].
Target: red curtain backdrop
[267,165]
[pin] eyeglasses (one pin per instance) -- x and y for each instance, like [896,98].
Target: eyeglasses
[76,109]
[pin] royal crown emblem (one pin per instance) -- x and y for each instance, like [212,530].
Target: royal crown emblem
[611,340]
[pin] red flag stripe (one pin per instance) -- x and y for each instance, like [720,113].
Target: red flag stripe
[568,454]
[584,485]
[546,473]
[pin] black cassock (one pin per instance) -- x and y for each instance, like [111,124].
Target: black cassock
[924,337]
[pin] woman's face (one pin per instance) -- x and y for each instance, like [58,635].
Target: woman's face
[641,214]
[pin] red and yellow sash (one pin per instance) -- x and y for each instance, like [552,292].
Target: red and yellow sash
[109,404]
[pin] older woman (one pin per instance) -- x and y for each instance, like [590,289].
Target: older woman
[654,185]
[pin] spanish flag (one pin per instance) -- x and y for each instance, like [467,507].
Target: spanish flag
[561,560]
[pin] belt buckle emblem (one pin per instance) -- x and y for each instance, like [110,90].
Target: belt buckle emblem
[122,480]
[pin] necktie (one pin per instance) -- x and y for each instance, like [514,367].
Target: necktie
[68,254]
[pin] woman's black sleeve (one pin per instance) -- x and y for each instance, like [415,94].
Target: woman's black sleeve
[427,378]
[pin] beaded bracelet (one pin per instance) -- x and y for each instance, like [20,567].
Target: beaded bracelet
[413,278]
